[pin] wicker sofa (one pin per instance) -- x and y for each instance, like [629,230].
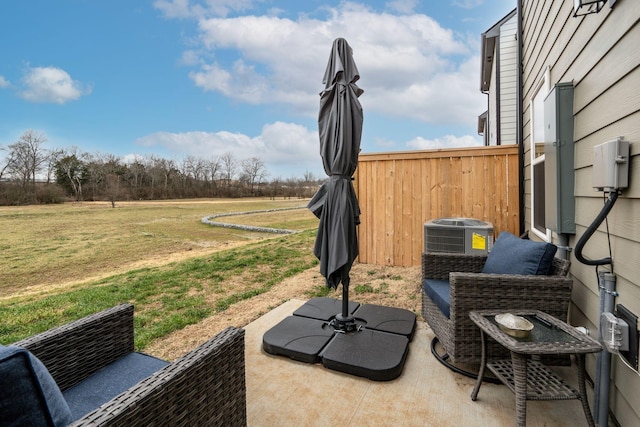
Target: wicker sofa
[204,387]
[472,290]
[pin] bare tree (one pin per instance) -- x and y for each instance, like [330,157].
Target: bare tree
[275,188]
[194,170]
[112,182]
[137,172]
[28,157]
[99,176]
[154,169]
[94,165]
[253,172]
[309,177]
[71,173]
[292,188]
[98,167]
[52,160]
[160,171]
[7,162]
[198,169]
[229,166]
[212,170]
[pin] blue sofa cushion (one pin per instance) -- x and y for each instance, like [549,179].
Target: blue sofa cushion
[110,381]
[438,292]
[28,394]
[512,255]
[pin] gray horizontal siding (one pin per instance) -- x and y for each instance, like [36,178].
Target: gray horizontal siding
[600,54]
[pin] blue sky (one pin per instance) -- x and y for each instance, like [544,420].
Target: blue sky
[177,78]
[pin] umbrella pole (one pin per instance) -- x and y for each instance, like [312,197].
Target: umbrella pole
[345,297]
[346,322]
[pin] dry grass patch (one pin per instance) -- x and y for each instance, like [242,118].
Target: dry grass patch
[401,289]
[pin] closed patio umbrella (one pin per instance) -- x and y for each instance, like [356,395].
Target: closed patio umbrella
[373,342]
[335,204]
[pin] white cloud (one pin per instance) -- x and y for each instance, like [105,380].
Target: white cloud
[50,84]
[402,6]
[190,58]
[174,8]
[279,145]
[4,82]
[447,97]
[468,4]
[189,9]
[410,65]
[448,141]
[241,82]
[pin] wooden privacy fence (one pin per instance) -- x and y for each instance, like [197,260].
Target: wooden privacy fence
[399,192]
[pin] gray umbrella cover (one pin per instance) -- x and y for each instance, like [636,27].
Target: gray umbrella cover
[335,204]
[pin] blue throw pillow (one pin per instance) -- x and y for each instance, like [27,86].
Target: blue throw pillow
[28,394]
[512,255]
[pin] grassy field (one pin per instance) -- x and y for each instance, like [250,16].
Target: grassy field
[60,263]
[53,245]
[187,280]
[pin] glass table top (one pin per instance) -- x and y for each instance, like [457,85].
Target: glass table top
[542,331]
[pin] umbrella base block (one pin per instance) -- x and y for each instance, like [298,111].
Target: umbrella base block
[372,342]
[298,338]
[323,308]
[376,355]
[388,319]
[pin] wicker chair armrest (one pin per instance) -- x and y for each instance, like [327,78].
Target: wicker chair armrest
[76,350]
[470,291]
[560,267]
[437,265]
[204,387]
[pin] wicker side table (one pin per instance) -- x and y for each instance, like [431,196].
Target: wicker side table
[529,379]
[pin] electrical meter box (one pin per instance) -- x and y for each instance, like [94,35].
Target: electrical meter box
[559,171]
[611,165]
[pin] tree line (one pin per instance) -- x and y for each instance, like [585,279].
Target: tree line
[31,173]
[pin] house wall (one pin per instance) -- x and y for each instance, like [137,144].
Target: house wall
[503,85]
[493,102]
[398,192]
[600,54]
[507,63]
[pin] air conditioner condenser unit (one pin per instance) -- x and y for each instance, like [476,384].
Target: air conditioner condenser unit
[458,235]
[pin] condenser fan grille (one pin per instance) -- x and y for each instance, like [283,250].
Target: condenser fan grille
[458,235]
[445,240]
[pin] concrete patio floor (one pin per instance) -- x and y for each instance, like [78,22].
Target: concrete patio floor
[283,392]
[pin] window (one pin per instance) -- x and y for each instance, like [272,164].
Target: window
[536,107]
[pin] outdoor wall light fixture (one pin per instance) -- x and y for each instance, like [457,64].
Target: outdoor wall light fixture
[586,7]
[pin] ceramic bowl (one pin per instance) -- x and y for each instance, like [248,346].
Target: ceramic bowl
[515,326]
